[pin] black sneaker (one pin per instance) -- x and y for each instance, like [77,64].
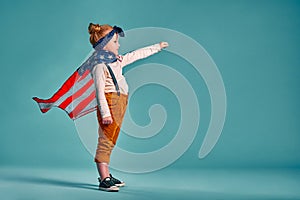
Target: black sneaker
[117,182]
[108,185]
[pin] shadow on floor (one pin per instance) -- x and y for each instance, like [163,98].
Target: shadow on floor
[48,181]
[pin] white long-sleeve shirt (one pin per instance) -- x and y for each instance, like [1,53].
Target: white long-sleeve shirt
[104,82]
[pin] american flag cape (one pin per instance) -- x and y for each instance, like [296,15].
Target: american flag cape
[77,95]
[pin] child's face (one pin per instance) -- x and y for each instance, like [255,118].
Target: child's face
[113,45]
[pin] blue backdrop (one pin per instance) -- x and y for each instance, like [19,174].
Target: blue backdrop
[255,45]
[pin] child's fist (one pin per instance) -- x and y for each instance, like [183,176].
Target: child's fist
[163,45]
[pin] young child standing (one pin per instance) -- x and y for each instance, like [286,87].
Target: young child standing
[112,95]
[98,84]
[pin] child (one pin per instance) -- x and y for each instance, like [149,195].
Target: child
[98,84]
[112,95]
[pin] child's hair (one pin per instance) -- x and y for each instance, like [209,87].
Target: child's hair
[97,31]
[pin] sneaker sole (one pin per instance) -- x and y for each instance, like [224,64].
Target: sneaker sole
[111,189]
[120,185]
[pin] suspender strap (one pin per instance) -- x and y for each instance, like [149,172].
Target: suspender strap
[113,78]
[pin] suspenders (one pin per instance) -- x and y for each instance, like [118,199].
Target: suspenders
[113,78]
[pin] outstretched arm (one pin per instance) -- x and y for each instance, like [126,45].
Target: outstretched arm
[142,53]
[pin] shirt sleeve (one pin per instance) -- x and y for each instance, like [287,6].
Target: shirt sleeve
[99,75]
[139,54]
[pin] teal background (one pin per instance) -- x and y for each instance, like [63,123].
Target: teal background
[255,45]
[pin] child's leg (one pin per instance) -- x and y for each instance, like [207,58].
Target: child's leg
[108,134]
[102,157]
[103,170]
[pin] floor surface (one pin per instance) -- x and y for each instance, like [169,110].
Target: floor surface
[44,184]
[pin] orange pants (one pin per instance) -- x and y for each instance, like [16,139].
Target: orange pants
[108,133]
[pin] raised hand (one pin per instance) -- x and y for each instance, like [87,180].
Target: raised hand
[163,45]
